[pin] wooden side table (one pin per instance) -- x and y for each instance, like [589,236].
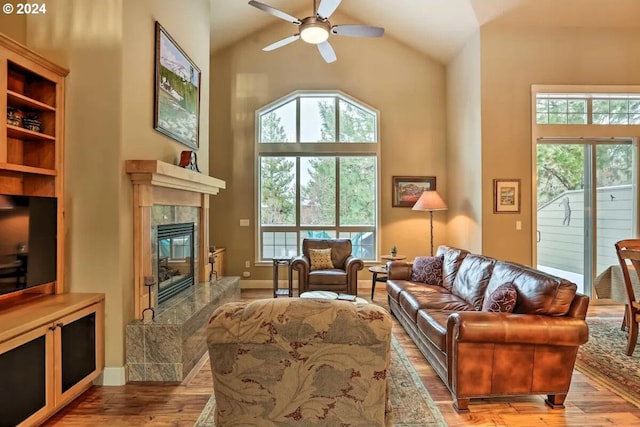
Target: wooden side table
[278,262]
[379,275]
[393,258]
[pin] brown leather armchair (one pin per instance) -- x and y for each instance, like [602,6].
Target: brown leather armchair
[342,278]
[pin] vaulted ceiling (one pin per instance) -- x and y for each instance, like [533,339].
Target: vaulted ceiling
[437,28]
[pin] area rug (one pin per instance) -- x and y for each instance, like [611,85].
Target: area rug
[604,358]
[412,404]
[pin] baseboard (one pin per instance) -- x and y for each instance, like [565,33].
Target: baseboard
[112,376]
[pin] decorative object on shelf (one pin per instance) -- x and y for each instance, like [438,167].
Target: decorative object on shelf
[506,196]
[189,160]
[394,251]
[177,91]
[14,116]
[407,189]
[32,122]
[430,201]
[149,282]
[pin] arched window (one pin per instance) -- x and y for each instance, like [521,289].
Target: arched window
[318,173]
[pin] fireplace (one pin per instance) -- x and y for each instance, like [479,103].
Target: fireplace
[175,243]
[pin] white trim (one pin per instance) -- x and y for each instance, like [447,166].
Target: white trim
[112,376]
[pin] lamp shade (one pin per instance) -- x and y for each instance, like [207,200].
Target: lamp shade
[430,201]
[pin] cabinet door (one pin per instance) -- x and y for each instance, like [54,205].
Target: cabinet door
[26,364]
[78,348]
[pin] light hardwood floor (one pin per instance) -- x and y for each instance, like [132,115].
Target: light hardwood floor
[152,404]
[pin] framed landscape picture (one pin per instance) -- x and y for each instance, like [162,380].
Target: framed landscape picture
[407,189]
[177,91]
[506,196]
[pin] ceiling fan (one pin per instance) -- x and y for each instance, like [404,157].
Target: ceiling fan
[315,29]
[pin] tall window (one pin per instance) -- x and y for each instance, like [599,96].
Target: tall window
[318,173]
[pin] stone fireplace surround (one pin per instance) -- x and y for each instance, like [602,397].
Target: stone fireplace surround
[168,347]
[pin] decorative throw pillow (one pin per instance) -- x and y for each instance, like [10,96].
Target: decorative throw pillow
[427,269]
[320,259]
[502,299]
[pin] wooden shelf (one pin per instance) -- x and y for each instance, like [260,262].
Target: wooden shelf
[27,169]
[22,133]
[18,100]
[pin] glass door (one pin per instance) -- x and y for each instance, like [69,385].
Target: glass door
[585,203]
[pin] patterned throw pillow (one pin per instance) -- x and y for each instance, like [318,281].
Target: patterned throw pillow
[320,259]
[427,269]
[502,299]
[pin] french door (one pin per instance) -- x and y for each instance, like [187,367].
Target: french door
[586,201]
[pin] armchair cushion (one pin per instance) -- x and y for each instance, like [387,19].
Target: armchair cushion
[320,259]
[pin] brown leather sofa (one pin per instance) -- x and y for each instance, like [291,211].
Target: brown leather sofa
[342,278]
[485,354]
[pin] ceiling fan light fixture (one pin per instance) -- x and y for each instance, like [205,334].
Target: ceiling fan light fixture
[314,33]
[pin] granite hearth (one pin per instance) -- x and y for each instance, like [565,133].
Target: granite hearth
[169,346]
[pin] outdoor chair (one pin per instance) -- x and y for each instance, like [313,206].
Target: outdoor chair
[629,251]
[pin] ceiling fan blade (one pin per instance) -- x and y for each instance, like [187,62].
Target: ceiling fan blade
[281,43]
[357,30]
[275,12]
[327,7]
[327,52]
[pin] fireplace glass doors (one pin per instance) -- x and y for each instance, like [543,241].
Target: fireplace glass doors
[175,259]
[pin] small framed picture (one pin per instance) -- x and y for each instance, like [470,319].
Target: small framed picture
[506,196]
[407,189]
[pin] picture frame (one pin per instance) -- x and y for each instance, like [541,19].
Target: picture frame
[177,91]
[406,190]
[506,196]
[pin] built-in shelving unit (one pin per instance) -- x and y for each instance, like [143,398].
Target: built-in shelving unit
[51,341]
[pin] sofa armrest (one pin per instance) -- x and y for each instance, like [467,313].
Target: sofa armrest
[399,270]
[508,328]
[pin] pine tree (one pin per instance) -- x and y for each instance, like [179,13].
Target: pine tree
[277,178]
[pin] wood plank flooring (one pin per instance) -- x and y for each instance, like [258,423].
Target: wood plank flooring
[151,404]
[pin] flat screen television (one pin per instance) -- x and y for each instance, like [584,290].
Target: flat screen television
[28,241]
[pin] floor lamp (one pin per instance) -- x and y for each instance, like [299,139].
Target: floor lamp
[430,201]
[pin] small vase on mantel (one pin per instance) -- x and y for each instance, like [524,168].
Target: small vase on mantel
[394,251]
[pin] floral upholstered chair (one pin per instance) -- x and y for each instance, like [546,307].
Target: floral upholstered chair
[295,362]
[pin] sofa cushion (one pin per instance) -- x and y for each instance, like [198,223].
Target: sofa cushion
[429,297]
[538,292]
[472,279]
[502,300]
[451,260]
[433,325]
[396,287]
[427,269]
[320,259]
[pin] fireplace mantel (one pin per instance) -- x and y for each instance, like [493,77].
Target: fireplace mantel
[158,183]
[160,174]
